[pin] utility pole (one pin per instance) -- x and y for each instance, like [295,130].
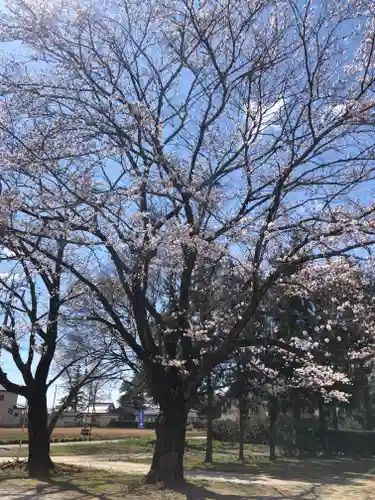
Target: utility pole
[54,399]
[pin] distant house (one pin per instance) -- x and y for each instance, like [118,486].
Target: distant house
[100,415]
[96,415]
[10,412]
[69,419]
[127,413]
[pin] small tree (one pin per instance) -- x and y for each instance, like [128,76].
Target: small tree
[208,403]
[33,296]
[77,401]
[31,300]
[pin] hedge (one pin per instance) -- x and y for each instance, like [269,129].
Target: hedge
[351,443]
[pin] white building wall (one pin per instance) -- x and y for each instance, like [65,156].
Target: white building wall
[72,419]
[9,400]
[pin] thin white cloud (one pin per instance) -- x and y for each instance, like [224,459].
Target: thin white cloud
[264,117]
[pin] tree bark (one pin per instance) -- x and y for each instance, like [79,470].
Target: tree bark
[39,460]
[208,457]
[167,462]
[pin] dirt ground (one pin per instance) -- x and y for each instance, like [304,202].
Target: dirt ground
[195,490]
[106,480]
[107,472]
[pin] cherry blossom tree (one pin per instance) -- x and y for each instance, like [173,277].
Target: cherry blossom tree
[214,149]
[329,320]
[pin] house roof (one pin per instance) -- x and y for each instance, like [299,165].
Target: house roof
[151,411]
[97,408]
[156,411]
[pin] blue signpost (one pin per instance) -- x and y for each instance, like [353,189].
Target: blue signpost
[141,419]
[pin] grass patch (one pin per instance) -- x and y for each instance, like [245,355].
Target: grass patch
[72,434]
[13,435]
[125,446]
[194,450]
[223,453]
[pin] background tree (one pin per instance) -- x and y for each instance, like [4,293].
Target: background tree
[135,394]
[77,402]
[209,404]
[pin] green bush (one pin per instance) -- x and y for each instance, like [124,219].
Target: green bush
[302,440]
[225,430]
[305,440]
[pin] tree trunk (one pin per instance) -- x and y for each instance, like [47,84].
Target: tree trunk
[367,405]
[273,413]
[39,461]
[297,425]
[208,457]
[167,463]
[322,426]
[241,455]
[335,420]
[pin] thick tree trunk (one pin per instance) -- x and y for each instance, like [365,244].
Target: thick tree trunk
[167,463]
[39,461]
[208,457]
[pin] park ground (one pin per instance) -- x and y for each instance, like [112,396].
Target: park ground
[113,470]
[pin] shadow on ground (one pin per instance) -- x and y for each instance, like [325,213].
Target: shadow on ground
[52,490]
[15,485]
[313,492]
[338,471]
